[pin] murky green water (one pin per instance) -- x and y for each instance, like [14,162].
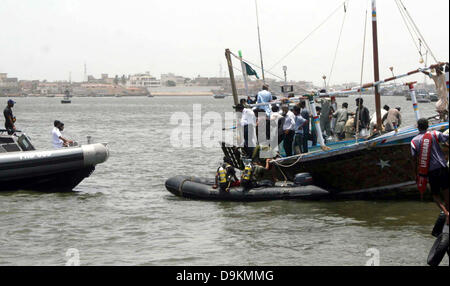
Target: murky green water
[123,215]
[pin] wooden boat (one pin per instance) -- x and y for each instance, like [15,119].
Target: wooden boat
[371,165]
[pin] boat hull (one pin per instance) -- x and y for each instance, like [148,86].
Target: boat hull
[55,170]
[201,189]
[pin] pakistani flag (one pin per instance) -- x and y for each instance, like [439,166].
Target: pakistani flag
[250,70]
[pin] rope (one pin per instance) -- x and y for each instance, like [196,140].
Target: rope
[417,30]
[256,66]
[338,44]
[409,28]
[362,75]
[307,37]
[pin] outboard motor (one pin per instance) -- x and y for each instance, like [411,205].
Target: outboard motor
[303,179]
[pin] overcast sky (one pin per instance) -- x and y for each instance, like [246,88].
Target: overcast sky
[48,39]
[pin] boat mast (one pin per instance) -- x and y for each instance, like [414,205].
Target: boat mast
[259,40]
[232,80]
[376,64]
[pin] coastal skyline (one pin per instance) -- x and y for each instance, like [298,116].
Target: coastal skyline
[52,39]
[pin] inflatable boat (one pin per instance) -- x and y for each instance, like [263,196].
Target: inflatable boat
[202,189]
[22,167]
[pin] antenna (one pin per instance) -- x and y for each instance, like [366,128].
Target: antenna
[259,39]
[85,72]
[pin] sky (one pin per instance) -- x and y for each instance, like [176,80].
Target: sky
[52,39]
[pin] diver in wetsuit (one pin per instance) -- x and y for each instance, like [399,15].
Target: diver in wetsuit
[225,176]
[256,175]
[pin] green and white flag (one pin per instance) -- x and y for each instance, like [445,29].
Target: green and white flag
[250,70]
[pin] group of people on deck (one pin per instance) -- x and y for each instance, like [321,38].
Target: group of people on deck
[292,127]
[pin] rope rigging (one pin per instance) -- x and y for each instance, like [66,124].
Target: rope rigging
[409,22]
[338,44]
[308,36]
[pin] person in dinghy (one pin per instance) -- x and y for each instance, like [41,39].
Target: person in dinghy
[432,164]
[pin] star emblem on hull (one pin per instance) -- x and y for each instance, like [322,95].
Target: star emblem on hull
[384,164]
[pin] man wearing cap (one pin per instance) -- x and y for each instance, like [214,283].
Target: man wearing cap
[58,140]
[9,117]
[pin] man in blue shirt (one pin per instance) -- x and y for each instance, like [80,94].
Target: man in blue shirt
[265,96]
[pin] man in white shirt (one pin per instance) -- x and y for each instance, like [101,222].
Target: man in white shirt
[373,121]
[288,130]
[248,124]
[58,140]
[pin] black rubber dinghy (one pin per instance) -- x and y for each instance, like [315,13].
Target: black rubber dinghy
[202,189]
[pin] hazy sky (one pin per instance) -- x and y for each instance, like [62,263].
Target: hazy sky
[47,39]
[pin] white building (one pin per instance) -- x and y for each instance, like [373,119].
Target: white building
[143,80]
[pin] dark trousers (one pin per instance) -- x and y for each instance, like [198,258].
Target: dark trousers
[305,139]
[247,149]
[287,143]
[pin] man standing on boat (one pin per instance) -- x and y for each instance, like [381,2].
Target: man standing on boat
[248,124]
[265,96]
[432,164]
[341,116]
[9,117]
[58,140]
[325,116]
[362,121]
[306,135]
[288,130]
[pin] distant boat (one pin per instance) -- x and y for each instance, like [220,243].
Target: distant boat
[423,97]
[219,96]
[434,97]
[66,99]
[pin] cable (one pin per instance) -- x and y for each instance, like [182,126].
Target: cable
[418,31]
[338,44]
[309,35]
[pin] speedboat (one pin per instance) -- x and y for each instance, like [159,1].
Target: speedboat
[22,167]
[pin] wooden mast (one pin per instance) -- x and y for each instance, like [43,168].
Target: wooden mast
[232,80]
[376,64]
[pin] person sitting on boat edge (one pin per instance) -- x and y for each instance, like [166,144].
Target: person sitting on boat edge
[432,164]
[58,140]
[226,176]
[10,120]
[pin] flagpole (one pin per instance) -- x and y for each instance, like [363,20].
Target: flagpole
[259,39]
[244,73]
